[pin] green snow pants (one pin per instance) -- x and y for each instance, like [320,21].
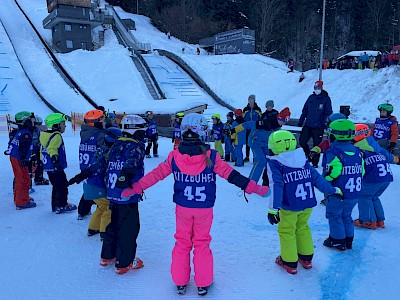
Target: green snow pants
[295,234]
[218,147]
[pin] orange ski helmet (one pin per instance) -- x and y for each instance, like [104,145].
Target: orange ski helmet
[362,131]
[94,116]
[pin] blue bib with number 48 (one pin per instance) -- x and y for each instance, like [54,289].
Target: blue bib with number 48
[195,191]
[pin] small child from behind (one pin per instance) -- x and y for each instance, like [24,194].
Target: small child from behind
[292,182]
[344,168]
[194,167]
[177,137]
[216,132]
[229,150]
[378,176]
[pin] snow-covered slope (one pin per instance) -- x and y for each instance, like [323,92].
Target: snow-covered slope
[37,63]
[17,93]
[235,77]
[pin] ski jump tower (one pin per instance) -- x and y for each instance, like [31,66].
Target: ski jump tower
[71,23]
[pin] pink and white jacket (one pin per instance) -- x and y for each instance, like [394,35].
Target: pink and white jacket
[194,165]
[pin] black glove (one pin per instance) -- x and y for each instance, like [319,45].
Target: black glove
[300,125]
[391,146]
[124,180]
[23,163]
[79,177]
[229,132]
[311,155]
[56,163]
[273,217]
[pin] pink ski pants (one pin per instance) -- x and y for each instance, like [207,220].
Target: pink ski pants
[193,230]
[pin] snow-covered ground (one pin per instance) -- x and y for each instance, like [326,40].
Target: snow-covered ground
[47,256]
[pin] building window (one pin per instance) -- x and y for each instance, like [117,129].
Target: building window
[83,11]
[69,43]
[68,27]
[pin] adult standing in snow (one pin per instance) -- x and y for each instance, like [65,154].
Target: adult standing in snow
[314,116]
[290,65]
[251,113]
[152,135]
[258,139]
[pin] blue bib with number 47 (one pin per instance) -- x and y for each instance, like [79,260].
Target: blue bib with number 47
[195,191]
[298,191]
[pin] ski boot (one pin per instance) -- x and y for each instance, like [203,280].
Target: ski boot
[155,155]
[202,291]
[349,242]
[31,204]
[43,181]
[136,264]
[92,232]
[380,224]
[290,269]
[181,289]
[148,156]
[67,208]
[306,261]
[104,262]
[335,243]
[367,225]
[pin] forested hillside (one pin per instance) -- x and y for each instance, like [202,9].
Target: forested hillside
[284,28]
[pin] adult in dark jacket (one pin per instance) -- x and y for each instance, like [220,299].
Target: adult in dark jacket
[251,113]
[316,111]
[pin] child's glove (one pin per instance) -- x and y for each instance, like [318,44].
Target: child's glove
[391,146]
[129,192]
[56,163]
[79,177]
[315,150]
[23,163]
[273,216]
[253,187]
[396,159]
[125,178]
[339,192]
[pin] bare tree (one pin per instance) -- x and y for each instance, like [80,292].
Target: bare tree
[269,12]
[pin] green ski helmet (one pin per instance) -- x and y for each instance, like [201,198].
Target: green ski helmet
[342,130]
[54,119]
[22,116]
[281,141]
[386,106]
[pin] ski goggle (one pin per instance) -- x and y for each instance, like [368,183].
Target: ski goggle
[386,106]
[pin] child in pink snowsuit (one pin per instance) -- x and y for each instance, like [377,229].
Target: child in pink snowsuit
[194,167]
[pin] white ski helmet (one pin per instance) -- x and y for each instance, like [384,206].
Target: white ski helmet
[193,126]
[132,123]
